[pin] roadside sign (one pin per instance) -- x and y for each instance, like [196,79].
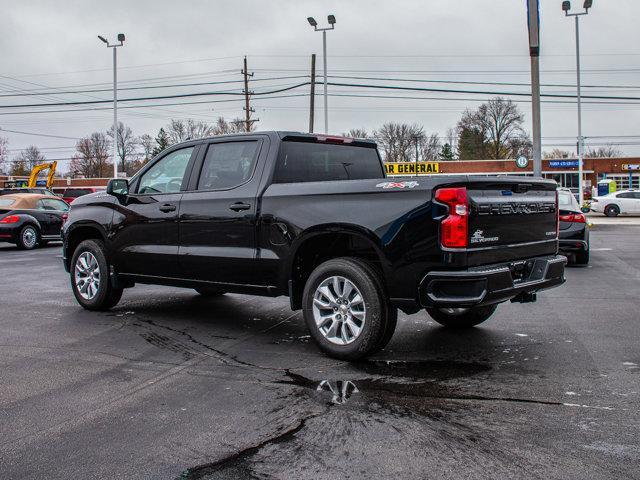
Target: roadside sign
[563,163]
[411,168]
[522,162]
[630,166]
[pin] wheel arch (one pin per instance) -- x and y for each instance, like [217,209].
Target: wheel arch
[79,233]
[324,242]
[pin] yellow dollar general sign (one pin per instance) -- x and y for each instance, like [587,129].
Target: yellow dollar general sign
[411,168]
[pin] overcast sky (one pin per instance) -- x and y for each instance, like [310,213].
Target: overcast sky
[50,45]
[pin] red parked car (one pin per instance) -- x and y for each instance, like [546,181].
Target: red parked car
[70,194]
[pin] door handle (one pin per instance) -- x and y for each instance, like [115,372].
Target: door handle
[167,207]
[239,206]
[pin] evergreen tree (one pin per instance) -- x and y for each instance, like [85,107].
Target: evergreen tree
[447,152]
[162,142]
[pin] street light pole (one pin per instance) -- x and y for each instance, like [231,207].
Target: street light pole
[115,97]
[580,139]
[332,21]
[533,14]
[115,112]
[566,7]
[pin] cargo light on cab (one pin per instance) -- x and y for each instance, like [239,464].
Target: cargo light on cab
[454,229]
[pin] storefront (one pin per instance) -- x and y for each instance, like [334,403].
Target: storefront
[563,171]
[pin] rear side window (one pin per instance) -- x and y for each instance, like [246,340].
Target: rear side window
[6,202]
[626,195]
[567,201]
[228,165]
[320,162]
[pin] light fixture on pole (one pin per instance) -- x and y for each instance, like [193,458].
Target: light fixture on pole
[115,97]
[566,8]
[332,21]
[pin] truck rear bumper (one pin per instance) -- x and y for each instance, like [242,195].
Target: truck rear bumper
[491,283]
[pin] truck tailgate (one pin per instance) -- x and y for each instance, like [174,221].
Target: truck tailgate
[510,220]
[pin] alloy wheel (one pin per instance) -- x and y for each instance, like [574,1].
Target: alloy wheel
[87,275]
[339,310]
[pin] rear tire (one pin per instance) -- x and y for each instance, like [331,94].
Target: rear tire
[209,291]
[28,237]
[346,309]
[582,258]
[612,211]
[88,264]
[461,318]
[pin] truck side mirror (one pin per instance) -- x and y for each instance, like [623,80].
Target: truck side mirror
[118,187]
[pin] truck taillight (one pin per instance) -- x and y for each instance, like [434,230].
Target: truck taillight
[454,229]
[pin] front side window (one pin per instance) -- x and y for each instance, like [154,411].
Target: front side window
[228,165]
[321,162]
[167,174]
[53,204]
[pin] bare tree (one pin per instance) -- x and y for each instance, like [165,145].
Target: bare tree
[181,131]
[494,130]
[430,147]
[451,138]
[356,133]
[127,145]
[92,156]
[237,125]
[608,151]
[28,158]
[3,152]
[397,141]
[556,153]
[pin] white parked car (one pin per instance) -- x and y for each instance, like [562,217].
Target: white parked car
[613,204]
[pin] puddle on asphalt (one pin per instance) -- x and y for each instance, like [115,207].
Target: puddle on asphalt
[384,378]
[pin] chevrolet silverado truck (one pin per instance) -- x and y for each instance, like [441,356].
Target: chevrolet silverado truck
[314,218]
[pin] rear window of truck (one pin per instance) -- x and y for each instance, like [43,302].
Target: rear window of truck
[321,162]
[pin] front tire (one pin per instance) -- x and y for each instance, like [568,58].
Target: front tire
[89,274]
[461,317]
[28,238]
[346,309]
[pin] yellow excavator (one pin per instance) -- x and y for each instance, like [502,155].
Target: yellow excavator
[33,177]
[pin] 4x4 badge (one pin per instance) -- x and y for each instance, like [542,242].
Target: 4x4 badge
[397,184]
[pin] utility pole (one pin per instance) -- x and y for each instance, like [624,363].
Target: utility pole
[247,107]
[534,52]
[312,100]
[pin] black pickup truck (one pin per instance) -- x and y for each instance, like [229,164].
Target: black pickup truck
[313,217]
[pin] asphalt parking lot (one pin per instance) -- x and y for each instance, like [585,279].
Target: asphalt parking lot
[172,385]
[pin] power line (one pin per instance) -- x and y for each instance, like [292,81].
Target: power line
[37,134]
[158,97]
[147,87]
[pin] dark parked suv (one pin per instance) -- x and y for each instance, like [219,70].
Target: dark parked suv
[313,217]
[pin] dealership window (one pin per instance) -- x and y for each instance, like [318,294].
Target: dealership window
[622,180]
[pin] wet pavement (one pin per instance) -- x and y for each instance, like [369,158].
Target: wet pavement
[173,385]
